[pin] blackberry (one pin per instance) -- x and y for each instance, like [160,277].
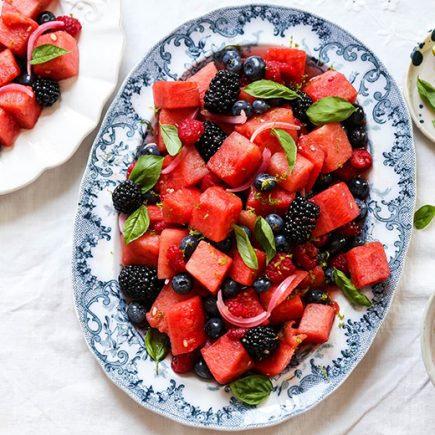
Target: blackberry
[300,107]
[139,283]
[47,91]
[300,220]
[211,140]
[260,342]
[223,92]
[127,197]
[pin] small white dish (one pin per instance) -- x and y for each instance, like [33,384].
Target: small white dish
[428,338]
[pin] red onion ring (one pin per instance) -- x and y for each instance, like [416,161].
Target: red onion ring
[269,125]
[16,87]
[179,157]
[121,221]
[285,288]
[194,114]
[240,119]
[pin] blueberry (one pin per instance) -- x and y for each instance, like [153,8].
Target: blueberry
[357,118]
[358,187]
[182,283]
[246,230]
[265,182]
[329,275]
[230,288]
[241,105]
[232,60]
[323,182]
[151,197]
[136,314]
[316,296]
[225,245]
[356,241]
[336,244]
[214,328]
[358,137]
[150,149]
[362,205]
[25,79]
[281,243]
[254,68]
[260,106]
[201,369]
[189,244]
[210,306]
[276,222]
[262,284]
[45,17]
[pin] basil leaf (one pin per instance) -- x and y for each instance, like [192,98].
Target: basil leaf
[156,345]
[423,216]
[46,52]
[264,235]
[269,89]
[349,290]
[245,248]
[252,390]
[289,146]
[147,171]
[427,92]
[170,138]
[136,224]
[330,109]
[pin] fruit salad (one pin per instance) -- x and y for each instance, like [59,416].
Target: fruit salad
[37,50]
[242,215]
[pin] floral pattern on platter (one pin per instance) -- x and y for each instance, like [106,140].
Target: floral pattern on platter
[314,372]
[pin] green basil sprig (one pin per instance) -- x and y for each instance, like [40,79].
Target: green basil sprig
[45,53]
[245,248]
[289,146]
[264,235]
[170,138]
[349,290]
[427,92]
[147,171]
[423,216]
[157,346]
[252,390]
[136,224]
[266,89]
[330,109]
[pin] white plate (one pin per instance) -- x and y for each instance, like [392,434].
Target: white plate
[61,129]
[428,338]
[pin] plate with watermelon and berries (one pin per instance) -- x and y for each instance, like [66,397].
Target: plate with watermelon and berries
[48,53]
[244,218]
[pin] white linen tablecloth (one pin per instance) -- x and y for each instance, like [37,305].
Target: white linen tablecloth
[49,381]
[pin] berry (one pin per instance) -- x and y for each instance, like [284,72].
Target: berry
[72,25]
[211,140]
[306,255]
[159,227]
[182,283]
[260,106]
[356,241]
[362,205]
[358,137]
[214,328]
[243,305]
[336,243]
[358,187]
[339,262]
[323,182]
[127,197]
[300,220]
[151,197]
[351,229]
[321,241]
[25,79]
[47,91]
[280,268]
[230,288]
[139,283]
[281,243]
[183,363]
[237,333]
[262,284]
[210,306]
[148,150]
[240,105]
[265,182]
[254,68]
[190,131]
[232,60]
[361,159]
[130,168]
[346,172]
[300,107]
[45,17]
[260,342]
[357,118]
[329,275]
[273,71]
[136,314]
[189,244]
[275,222]
[175,259]
[223,92]
[246,230]
[201,369]
[316,296]
[225,245]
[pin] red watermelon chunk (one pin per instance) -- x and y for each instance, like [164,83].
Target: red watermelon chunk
[368,264]
[209,266]
[155,213]
[169,237]
[186,326]
[175,95]
[316,322]
[243,274]
[243,95]
[203,78]
[144,250]
[315,155]
[248,218]
[291,308]
[9,69]
[293,59]
[23,108]
[263,203]
[236,160]
[30,8]
[337,208]
[178,205]
[330,84]
[218,210]
[9,129]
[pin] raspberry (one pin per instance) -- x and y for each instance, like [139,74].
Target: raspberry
[361,159]
[306,255]
[190,130]
[130,168]
[237,333]
[273,71]
[183,363]
[72,25]
[280,268]
[176,259]
[314,279]
[346,172]
[352,229]
[340,263]
[245,304]
[159,227]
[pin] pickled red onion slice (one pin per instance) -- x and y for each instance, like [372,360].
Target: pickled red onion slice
[285,288]
[178,158]
[121,221]
[277,124]
[239,119]
[16,87]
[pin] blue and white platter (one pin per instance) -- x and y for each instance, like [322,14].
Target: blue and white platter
[315,372]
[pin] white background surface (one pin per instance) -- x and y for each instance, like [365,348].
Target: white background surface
[50,382]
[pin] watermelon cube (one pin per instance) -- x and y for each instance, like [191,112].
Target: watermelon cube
[155,213]
[186,322]
[236,160]
[62,67]
[9,129]
[9,69]
[175,95]
[298,179]
[330,84]
[368,264]
[218,210]
[243,95]
[248,218]
[203,78]
[144,250]
[243,274]
[227,359]
[291,308]
[178,205]
[337,208]
[24,109]
[209,266]
[315,155]
[263,203]
[168,238]
[294,61]
[30,8]
[316,322]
